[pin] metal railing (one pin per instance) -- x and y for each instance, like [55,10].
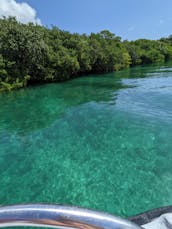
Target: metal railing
[57,216]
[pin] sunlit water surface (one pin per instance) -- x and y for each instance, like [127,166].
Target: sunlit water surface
[102,142]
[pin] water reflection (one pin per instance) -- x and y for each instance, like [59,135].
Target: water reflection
[38,107]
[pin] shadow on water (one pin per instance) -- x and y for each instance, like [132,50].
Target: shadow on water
[35,108]
[38,107]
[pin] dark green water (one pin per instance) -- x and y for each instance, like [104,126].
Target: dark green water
[103,142]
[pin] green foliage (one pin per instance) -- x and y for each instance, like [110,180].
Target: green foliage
[33,54]
[3,72]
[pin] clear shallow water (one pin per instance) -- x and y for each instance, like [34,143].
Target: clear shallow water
[103,142]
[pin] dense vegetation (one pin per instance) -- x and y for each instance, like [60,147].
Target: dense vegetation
[35,54]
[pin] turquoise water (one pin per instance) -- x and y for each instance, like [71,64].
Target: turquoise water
[103,142]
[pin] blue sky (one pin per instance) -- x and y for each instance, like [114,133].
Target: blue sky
[130,19]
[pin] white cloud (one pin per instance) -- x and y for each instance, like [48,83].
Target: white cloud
[22,11]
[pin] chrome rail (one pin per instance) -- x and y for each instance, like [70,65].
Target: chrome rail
[57,216]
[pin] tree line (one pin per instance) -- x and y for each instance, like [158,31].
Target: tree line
[31,54]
